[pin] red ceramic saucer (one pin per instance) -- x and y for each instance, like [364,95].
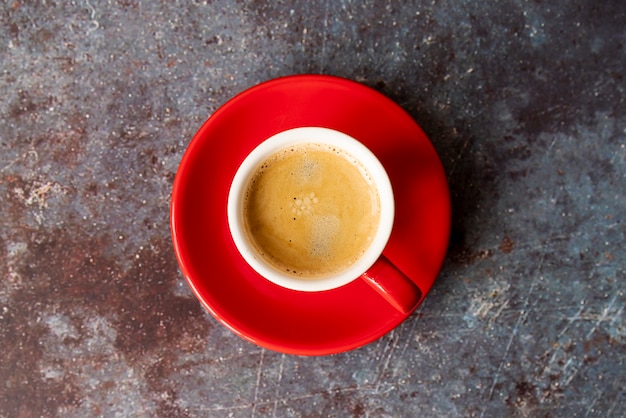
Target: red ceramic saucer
[285,320]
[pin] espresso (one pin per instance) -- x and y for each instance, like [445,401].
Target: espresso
[311,210]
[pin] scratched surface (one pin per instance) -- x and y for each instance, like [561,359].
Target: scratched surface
[524,101]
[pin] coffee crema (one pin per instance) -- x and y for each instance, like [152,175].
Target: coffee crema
[311,210]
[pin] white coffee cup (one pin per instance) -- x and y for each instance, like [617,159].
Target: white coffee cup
[394,289]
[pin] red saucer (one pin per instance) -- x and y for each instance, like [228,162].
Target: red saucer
[270,316]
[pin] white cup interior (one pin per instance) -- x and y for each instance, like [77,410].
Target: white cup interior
[296,136]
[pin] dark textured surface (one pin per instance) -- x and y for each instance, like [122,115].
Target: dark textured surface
[524,101]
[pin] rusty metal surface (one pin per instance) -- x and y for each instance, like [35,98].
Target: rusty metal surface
[524,101]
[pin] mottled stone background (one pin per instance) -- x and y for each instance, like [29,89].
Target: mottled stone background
[524,101]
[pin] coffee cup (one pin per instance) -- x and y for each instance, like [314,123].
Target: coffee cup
[311,209]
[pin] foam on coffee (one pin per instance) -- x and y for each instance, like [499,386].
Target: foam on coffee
[311,210]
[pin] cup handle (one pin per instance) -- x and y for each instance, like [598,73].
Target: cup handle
[393,285]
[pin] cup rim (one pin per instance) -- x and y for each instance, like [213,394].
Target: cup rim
[303,135]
